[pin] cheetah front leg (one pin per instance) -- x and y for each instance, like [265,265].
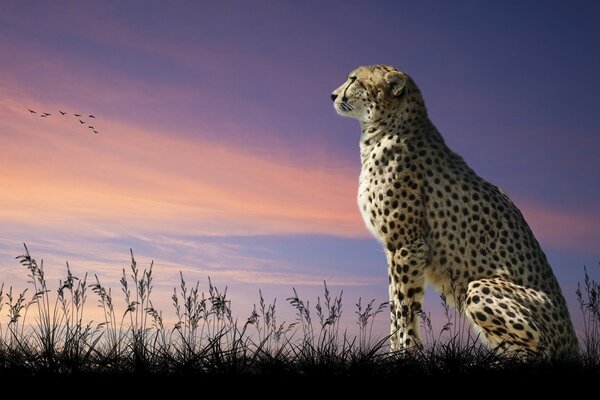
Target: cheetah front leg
[407,283]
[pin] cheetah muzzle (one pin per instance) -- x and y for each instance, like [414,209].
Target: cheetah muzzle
[442,224]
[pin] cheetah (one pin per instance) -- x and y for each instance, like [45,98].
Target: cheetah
[442,224]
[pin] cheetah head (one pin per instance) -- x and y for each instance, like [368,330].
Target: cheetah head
[370,91]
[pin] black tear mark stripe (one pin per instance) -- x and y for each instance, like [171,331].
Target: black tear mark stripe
[352,80]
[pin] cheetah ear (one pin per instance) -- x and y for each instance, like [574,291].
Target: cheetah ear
[396,81]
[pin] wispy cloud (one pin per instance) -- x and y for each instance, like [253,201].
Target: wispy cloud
[129,178]
[562,229]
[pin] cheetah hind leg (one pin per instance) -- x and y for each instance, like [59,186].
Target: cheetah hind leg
[500,311]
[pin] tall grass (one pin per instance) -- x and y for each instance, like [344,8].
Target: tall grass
[589,305]
[46,331]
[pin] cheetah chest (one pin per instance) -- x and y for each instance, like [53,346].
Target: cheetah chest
[366,199]
[388,193]
[379,194]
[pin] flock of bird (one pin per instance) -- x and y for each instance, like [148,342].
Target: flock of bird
[62,114]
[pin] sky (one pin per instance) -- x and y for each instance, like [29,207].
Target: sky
[219,152]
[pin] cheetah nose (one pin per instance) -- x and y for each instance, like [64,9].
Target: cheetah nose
[333,96]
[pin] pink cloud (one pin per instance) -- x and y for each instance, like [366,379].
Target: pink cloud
[56,173]
[562,229]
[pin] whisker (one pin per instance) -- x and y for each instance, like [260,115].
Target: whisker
[346,107]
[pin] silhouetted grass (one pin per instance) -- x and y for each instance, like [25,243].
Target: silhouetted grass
[44,332]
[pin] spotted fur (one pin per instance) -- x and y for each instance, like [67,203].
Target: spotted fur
[441,223]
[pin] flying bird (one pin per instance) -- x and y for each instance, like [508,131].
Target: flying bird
[91,127]
[62,113]
[31,111]
[94,131]
[43,116]
[91,116]
[46,114]
[77,115]
[81,122]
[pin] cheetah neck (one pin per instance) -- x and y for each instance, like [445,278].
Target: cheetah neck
[370,136]
[400,125]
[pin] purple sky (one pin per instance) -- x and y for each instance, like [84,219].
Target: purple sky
[220,151]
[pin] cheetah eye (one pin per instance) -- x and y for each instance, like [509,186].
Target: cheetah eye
[352,79]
